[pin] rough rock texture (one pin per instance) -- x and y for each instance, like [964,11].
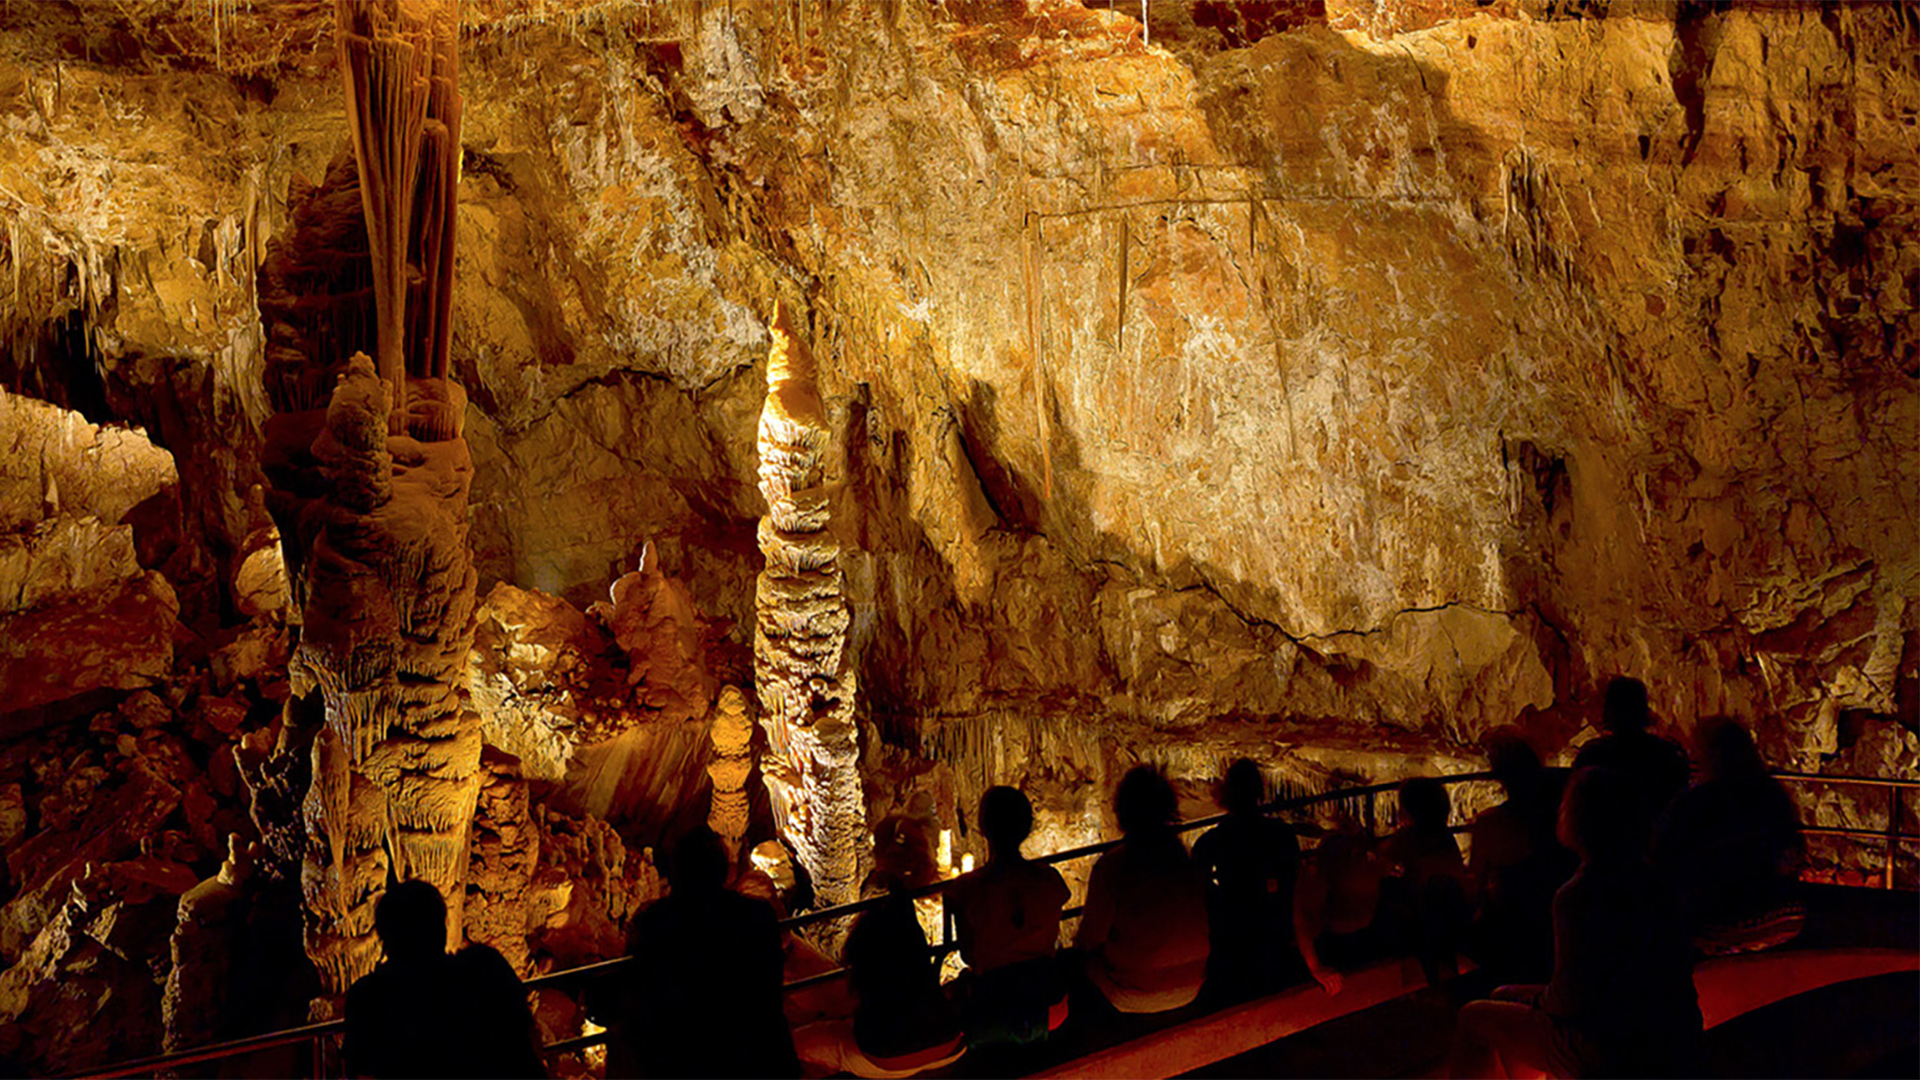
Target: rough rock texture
[802,669]
[1327,381]
[606,708]
[503,855]
[728,810]
[386,628]
[209,939]
[80,615]
[86,991]
[1370,357]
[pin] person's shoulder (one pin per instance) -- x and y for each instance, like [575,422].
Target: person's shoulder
[370,991]
[1596,752]
[482,961]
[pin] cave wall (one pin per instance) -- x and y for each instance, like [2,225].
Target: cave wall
[1309,377]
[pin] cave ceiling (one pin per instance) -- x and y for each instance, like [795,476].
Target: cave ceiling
[1279,372]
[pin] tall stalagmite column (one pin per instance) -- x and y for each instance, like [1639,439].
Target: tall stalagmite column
[802,669]
[371,476]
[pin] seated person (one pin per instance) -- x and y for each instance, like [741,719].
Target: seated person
[1656,767]
[1144,931]
[1516,865]
[702,997]
[1731,844]
[1251,863]
[1427,892]
[772,878]
[1335,904]
[903,1023]
[405,1017]
[1621,1001]
[504,1041]
[1006,918]
[425,1013]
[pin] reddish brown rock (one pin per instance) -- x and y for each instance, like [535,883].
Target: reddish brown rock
[45,867]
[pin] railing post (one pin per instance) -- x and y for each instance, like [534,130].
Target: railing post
[1893,831]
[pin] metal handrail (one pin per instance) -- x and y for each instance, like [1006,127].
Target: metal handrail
[270,1040]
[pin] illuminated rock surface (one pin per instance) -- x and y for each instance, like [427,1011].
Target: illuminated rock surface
[1328,383]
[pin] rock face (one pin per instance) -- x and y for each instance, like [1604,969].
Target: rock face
[802,668]
[80,617]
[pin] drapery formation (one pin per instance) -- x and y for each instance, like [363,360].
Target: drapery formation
[802,670]
[371,477]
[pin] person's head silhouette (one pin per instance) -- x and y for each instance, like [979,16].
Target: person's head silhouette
[1602,818]
[1243,788]
[1144,802]
[1512,760]
[1006,820]
[902,855]
[699,862]
[1728,748]
[411,920]
[1424,804]
[1626,707]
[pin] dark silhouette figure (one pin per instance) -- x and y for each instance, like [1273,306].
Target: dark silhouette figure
[1251,863]
[1426,898]
[1336,905]
[1731,844]
[1144,931]
[903,1022]
[702,997]
[1621,1001]
[1656,767]
[502,1039]
[404,1018]
[1006,919]
[1516,865]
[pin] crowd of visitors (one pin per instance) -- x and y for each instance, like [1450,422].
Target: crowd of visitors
[1583,902]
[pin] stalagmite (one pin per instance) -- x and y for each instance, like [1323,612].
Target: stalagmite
[371,476]
[802,671]
[732,735]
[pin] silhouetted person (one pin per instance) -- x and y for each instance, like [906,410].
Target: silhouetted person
[1515,866]
[903,1023]
[404,1018]
[502,1039]
[1731,844]
[1144,931]
[1656,767]
[1621,1001]
[1428,891]
[702,997]
[1251,863]
[1335,906]
[1006,919]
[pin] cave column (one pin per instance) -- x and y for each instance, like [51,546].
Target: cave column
[802,669]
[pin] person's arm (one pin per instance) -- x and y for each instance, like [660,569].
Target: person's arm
[1097,919]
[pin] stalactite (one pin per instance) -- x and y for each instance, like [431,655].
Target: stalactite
[802,671]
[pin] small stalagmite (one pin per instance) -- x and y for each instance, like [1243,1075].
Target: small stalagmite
[732,735]
[802,670]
